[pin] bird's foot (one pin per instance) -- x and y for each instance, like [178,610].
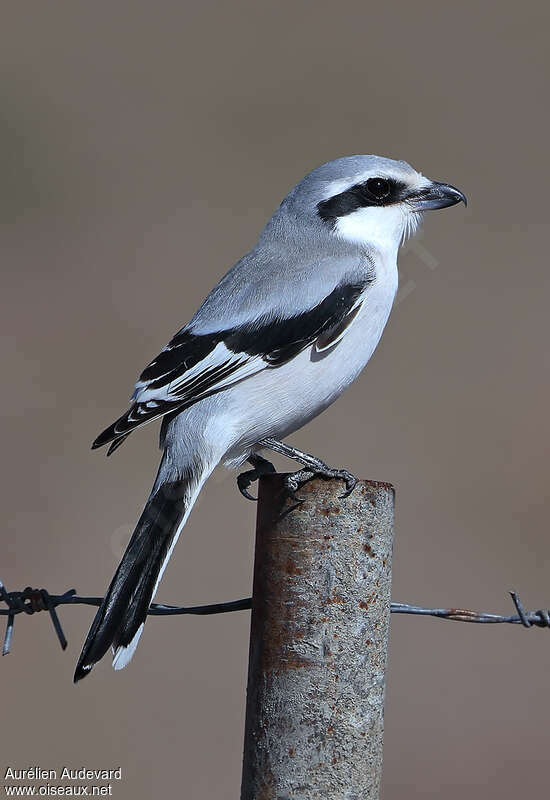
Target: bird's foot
[312,467]
[296,479]
[260,466]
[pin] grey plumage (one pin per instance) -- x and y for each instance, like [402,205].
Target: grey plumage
[284,332]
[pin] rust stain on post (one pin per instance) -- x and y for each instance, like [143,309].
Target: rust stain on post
[318,642]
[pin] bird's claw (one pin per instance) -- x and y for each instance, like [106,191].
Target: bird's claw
[349,479]
[296,479]
[245,479]
[293,482]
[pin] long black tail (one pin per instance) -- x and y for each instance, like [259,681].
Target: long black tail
[120,618]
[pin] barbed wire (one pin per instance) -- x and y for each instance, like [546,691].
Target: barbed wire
[31,601]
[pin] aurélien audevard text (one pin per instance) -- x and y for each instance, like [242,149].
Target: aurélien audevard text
[36,773]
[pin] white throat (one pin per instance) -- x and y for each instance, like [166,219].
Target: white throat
[382,228]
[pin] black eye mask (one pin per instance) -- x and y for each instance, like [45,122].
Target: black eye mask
[374,192]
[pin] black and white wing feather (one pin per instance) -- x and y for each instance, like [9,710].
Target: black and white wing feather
[195,365]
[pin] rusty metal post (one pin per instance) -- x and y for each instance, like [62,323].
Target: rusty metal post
[318,642]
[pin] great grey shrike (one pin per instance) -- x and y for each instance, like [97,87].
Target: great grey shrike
[280,337]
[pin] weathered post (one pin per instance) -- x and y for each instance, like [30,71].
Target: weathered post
[318,642]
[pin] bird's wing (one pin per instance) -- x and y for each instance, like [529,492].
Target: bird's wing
[194,365]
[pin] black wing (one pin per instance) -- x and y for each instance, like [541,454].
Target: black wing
[193,366]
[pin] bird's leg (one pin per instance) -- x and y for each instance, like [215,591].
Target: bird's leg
[260,466]
[312,466]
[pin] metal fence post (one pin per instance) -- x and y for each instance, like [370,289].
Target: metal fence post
[318,642]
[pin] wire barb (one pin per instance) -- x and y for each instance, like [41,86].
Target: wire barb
[521,611]
[30,601]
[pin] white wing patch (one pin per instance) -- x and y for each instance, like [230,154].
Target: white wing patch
[219,369]
[335,334]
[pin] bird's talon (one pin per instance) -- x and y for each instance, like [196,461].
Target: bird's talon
[291,490]
[349,479]
[350,486]
[293,482]
[244,480]
[297,479]
[261,466]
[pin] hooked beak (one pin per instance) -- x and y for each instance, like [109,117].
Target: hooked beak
[437,195]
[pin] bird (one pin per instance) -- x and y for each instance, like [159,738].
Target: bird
[277,341]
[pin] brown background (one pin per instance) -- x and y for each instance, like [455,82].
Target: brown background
[142,147]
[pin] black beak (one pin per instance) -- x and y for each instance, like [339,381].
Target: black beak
[437,195]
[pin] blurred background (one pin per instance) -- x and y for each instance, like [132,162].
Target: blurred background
[142,148]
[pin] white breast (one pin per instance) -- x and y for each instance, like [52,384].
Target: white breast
[278,401]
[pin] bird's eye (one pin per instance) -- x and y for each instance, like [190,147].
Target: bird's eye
[379,188]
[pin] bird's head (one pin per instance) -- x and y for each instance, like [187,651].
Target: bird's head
[369,200]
